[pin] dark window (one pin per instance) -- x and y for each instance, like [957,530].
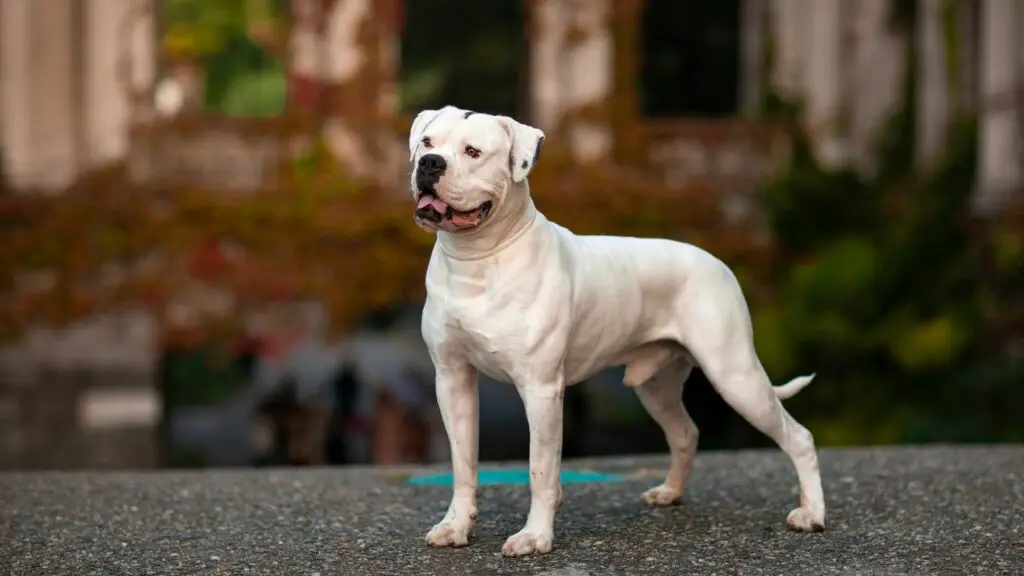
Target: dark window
[690,58]
[467,54]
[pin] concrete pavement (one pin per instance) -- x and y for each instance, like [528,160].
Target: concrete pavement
[914,511]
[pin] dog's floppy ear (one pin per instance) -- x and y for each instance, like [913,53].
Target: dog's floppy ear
[420,124]
[526,142]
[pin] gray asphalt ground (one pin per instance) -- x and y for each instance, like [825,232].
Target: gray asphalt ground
[919,511]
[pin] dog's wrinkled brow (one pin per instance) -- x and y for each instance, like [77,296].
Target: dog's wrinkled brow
[424,131]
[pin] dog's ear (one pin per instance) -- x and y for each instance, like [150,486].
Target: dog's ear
[526,143]
[420,124]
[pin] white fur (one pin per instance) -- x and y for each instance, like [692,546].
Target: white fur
[526,301]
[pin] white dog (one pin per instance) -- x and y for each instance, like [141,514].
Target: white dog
[525,301]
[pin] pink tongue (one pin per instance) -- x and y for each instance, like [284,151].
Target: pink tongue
[460,219]
[433,201]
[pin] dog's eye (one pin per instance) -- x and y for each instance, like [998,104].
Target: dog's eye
[472,152]
[426,142]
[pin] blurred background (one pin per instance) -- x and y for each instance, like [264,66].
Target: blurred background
[209,257]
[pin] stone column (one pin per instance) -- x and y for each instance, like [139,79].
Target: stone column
[588,68]
[120,62]
[823,83]
[572,63]
[49,107]
[333,50]
[548,20]
[935,102]
[1001,152]
[877,69]
[790,38]
[753,21]
[39,93]
[15,96]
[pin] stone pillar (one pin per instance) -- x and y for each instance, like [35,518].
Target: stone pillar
[935,102]
[338,59]
[572,62]
[39,93]
[1001,151]
[877,69]
[49,107]
[790,39]
[15,95]
[548,20]
[588,68]
[120,62]
[753,21]
[52,89]
[823,82]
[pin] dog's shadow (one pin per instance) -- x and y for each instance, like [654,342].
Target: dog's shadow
[593,512]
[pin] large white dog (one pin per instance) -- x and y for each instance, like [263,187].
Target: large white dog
[525,301]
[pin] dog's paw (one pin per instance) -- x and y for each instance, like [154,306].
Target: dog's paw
[662,495]
[449,534]
[524,543]
[806,520]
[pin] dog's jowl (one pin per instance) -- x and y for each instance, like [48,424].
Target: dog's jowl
[521,299]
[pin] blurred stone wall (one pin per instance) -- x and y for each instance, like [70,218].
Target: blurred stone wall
[82,397]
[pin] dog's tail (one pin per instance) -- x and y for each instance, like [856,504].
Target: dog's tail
[790,389]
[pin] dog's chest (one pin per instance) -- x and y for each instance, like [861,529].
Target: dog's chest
[489,340]
[487,333]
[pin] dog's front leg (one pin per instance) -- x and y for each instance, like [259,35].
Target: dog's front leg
[543,402]
[458,399]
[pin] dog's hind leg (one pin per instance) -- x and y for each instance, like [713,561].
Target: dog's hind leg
[662,397]
[742,382]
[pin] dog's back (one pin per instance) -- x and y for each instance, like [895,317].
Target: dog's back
[622,287]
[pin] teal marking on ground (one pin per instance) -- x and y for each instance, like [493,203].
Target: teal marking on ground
[513,476]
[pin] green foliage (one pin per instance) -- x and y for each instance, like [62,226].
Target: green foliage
[839,200]
[241,77]
[200,28]
[881,293]
[260,94]
[882,290]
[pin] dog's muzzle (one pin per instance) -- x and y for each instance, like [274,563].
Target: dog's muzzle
[429,205]
[428,172]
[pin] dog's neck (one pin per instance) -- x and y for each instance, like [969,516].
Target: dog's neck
[518,215]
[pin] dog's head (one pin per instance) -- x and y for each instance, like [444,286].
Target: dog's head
[466,164]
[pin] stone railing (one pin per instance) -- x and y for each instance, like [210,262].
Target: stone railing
[727,155]
[73,419]
[228,154]
[85,396]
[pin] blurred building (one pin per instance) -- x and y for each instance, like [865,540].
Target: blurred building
[68,103]
[845,60]
[77,80]
[69,71]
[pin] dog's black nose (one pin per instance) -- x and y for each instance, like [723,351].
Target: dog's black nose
[432,165]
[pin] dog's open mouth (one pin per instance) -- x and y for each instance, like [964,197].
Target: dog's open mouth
[432,209]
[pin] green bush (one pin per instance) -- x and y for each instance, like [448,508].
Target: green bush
[881,292]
